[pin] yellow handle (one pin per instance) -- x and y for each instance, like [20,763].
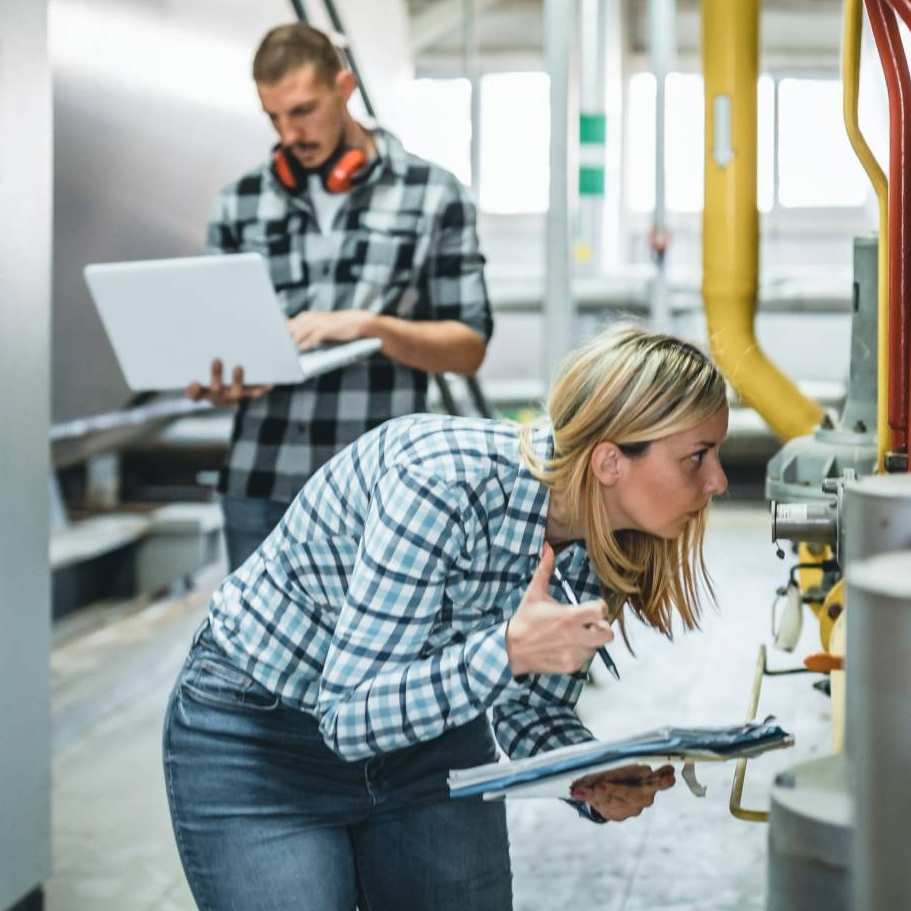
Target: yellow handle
[741,770]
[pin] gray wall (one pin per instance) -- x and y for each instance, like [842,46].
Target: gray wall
[25,250]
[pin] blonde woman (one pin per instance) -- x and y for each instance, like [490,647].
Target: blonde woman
[415,584]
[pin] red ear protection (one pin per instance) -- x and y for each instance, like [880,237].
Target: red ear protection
[282,169]
[340,176]
[338,172]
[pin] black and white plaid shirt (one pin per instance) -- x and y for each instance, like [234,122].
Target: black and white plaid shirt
[403,244]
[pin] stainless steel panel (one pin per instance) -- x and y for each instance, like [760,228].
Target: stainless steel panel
[154,110]
[25,249]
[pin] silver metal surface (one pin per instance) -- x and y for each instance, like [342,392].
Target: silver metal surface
[797,471]
[154,110]
[876,516]
[878,733]
[559,312]
[809,838]
[813,523]
[25,252]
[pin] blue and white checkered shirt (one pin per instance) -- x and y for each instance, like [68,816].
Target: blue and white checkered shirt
[379,603]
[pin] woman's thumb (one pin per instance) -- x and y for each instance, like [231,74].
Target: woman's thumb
[540,581]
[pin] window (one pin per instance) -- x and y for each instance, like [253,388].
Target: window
[440,126]
[683,142]
[684,145]
[765,141]
[515,143]
[816,165]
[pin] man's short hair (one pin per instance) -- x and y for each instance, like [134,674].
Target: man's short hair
[289,47]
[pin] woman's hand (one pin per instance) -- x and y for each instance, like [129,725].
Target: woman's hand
[624,792]
[545,636]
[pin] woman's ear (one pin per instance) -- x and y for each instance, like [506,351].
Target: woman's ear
[606,462]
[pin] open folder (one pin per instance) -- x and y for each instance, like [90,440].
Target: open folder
[551,774]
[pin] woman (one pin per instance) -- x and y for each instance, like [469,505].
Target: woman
[349,664]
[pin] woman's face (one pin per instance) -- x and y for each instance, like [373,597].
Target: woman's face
[659,491]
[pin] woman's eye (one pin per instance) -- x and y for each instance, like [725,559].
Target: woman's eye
[697,457]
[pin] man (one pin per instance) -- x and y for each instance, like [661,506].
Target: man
[362,240]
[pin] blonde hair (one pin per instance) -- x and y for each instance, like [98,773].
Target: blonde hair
[631,387]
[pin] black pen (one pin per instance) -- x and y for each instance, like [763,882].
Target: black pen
[571,595]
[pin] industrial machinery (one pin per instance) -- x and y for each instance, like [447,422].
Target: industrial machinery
[840,489]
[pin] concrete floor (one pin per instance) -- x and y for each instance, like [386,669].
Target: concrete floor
[112,671]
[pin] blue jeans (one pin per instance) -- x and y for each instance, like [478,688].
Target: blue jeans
[248,521]
[266,816]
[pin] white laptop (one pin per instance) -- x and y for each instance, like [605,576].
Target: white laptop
[167,319]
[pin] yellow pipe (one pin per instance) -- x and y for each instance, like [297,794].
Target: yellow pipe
[850,76]
[730,222]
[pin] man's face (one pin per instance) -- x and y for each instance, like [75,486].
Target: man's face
[307,112]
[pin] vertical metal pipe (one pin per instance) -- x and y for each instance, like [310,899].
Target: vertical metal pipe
[559,307]
[662,45]
[898,86]
[730,225]
[852,28]
[614,50]
[471,68]
[592,134]
[339,27]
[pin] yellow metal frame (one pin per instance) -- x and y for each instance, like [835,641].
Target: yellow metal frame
[730,226]
[850,75]
[740,772]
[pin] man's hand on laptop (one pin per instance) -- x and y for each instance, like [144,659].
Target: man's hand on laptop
[218,393]
[309,329]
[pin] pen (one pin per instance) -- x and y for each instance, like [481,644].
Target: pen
[571,595]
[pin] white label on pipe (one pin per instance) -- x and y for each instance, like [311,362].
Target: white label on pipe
[791,512]
[722,152]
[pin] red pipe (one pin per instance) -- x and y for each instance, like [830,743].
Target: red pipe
[903,8]
[898,85]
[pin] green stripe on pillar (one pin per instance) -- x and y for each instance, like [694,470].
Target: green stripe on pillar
[592,129]
[591,180]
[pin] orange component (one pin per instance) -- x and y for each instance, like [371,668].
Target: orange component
[824,663]
[341,176]
[283,170]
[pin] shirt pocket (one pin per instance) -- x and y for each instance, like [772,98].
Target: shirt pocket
[386,246]
[279,241]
